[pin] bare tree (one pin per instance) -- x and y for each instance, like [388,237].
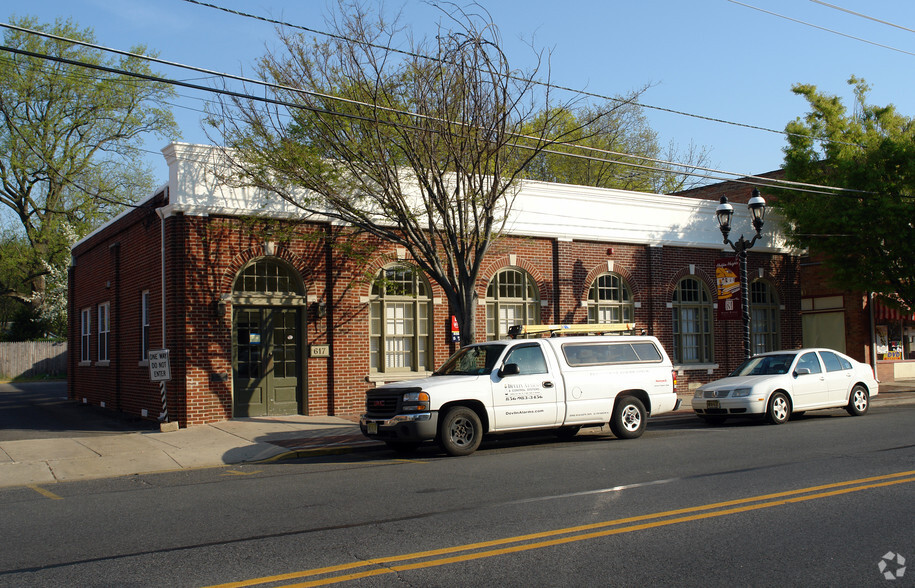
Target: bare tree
[419,148]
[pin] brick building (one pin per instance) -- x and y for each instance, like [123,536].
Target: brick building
[866,327]
[269,312]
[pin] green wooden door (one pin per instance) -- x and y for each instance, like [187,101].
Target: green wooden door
[266,367]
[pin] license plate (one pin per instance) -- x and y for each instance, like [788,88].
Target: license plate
[371,428]
[712,404]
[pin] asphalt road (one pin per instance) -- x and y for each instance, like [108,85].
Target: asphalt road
[818,501]
[41,410]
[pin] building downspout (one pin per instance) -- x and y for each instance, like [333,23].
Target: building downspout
[72,333]
[161,214]
[652,295]
[329,322]
[163,417]
[873,331]
[115,345]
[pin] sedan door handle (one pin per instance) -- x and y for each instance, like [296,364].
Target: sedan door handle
[548,384]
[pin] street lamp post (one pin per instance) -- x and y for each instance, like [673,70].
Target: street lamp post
[724,212]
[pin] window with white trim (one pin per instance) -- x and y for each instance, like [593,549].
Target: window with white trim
[399,321]
[610,300]
[104,330]
[144,325]
[764,317]
[85,334]
[512,298]
[692,322]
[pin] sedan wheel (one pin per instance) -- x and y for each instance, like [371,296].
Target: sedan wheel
[779,409]
[858,402]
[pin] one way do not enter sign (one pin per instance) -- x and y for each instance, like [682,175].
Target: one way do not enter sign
[159,368]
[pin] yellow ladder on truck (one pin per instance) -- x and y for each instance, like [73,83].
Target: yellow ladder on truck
[555,330]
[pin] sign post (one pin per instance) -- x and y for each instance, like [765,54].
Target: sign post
[455,330]
[160,371]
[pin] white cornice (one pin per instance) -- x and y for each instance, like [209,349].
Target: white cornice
[540,209]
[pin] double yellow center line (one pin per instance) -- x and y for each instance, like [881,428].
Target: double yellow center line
[462,553]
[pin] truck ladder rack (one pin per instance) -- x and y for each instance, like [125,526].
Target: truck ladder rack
[556,330]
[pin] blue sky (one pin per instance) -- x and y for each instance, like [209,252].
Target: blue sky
[712,58]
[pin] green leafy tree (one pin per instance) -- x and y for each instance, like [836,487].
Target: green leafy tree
[622,144]
[70,149]
[417,152]
[865,237]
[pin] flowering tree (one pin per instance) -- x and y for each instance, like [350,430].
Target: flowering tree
[70,140]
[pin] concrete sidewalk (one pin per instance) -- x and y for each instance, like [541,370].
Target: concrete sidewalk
[244,440]
[46,461]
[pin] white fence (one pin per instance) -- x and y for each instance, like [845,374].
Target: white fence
[33,359]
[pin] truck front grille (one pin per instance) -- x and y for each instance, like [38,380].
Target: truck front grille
[382,405]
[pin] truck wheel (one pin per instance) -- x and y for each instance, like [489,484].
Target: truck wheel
[628,420]
[460,432]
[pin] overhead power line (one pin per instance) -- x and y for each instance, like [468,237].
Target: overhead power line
[816,26]
[852,12]
[511,77]
[273,86]
[274,101]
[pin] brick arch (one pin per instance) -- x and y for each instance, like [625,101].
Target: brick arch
[621,271]
[234,267]
[709,281]
[768,278]
[388,259]
[501,263]
[772,280]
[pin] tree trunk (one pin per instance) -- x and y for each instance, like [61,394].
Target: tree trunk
[463,307]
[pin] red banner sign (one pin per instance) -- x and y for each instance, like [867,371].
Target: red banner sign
[727,274]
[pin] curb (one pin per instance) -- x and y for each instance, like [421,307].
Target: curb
[370,445]
[321,451]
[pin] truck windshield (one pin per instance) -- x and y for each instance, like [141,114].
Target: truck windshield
[474,360]
[765,365]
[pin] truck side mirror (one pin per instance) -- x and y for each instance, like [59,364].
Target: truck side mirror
[509,369]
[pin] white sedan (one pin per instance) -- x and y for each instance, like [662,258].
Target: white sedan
[779,383]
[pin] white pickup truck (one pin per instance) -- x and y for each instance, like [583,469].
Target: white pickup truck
[561,383]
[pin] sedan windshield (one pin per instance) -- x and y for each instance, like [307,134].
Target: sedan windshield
[765,365]
[472,361]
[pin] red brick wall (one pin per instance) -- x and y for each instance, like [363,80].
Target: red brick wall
[215,250]
[815,282]
[118,274]
[205,254]
[736,190]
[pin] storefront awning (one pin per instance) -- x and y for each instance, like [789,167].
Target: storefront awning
[883,312]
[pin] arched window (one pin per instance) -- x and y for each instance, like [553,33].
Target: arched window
[610,300]
[512,299]
[399,322]
[764,317]
[692,322]
[268,275]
